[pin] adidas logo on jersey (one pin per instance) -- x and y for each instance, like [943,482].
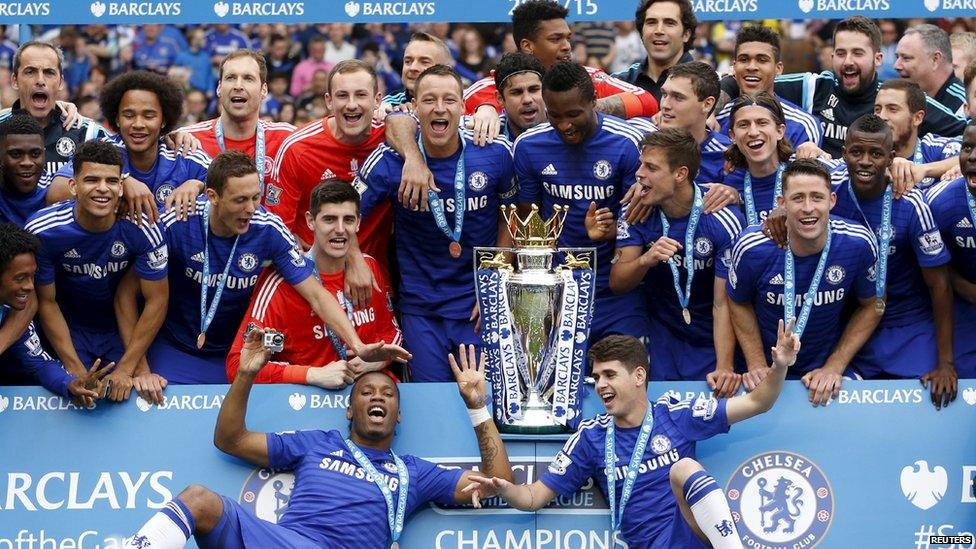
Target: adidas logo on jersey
[337,453]
[778,279]
[72,254]
[327,174]
[550,170]
[198,257]
[965,223]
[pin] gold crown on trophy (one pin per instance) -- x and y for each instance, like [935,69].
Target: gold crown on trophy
[532,231]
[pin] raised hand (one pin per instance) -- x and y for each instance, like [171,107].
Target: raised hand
[470,376]
[718,196]
[87,388]
[774,226]
[253,355]
[381,352]
[599,223]
[787,345]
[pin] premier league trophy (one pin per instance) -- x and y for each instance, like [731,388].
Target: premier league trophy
[535,321]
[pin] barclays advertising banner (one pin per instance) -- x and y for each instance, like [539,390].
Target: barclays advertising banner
[879,467]
[59,12]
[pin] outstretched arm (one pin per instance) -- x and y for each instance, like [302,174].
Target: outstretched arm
[231,435]
[764,396]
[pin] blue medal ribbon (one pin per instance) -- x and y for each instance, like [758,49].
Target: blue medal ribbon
[437,204]
[918,158]
[971,201]
[789,287]
[207,314]
[882,240]
[610,466]
[693,218]
[751,216]
[395,516]
[340,347]
[259,148]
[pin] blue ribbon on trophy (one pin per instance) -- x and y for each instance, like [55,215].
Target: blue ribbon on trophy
[535,323]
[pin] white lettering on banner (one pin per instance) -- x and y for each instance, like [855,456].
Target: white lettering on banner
[21,9]
[787,461]
[267,9]
[968,484]
[190,402]
[713,6]
[958,5]
[880,396]
[63,490]
[853,5]
[542,539]
[47,403]
[394,8]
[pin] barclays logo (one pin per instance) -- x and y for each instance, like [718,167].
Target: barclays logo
[4,402]
[137,9]
[780,499]
[296,401]
[969,395]
[723,6]
[258,9]
[923,487]
[317,401]
[353,8]
[24,9]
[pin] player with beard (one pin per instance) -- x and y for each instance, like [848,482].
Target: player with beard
[586,161]
[758,154]
[306,359]
[37,76]
[24,359]
[840,96]
[422,51]
[827,263]
[677,237]
[539,28]
[953,206]
[667,29]
[242,87]
[85,250]
[756,63]
[143,107]
[518,79]
[347,487]
[666,498]
[434,249]
[24,180]
[924,56]
[921,159]
[914,338]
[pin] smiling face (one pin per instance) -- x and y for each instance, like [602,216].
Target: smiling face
[332,226]
[522,100]
[551,42]
[755,67]
[439,108]
[17,281]
[374,408]
[892,107]
[619,389]
[38,80]
[807,200]
[240,89]
[418,57]
[140,120]
[911,60]
[572,116]
[663,34]
[756,133]
[854,61]
[232,209]
[967,158]
[22,162]
[97,189]
[680,107]
[352,100]
[868,156]
[656,178]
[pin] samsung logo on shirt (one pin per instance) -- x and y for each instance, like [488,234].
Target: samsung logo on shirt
[330,463]
[579,192]
[96,271]
[822,298]
[233,282]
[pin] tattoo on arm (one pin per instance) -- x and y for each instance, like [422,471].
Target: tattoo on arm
[611,105]
[487,444]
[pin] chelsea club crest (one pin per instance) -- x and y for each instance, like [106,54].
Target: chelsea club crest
[163,192]
[118,249]
[266,493]
[247,262]
[602,170]
[477,181]
[780,499]
[65,147]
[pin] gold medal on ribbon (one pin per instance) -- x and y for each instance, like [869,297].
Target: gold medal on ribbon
[686,314]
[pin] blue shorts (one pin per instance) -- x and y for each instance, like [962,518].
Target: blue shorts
[430,339]
[674,359]
[964,338]
[91,345]
[679,535]
[624,314]
[239,528]
[898,352]
[181,367]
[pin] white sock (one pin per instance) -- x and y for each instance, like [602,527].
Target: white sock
[711,511]
[170,528]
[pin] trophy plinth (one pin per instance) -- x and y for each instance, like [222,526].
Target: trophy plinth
[535,322]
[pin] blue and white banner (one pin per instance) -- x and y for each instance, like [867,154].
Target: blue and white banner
[61,12]
[879,467]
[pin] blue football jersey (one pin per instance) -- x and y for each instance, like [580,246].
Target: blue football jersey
[433,282]
[600,170]
[756,277]
[678,425]
[712,168]
[335,502]
[935,148]
[16,208]
[267,241]
[763,190]
[169,172]
[801,126]
[950,210]
[86,267]
[714,237]
[26,361]
[916,243]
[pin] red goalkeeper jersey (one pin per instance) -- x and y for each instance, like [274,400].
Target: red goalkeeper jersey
[275,134]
